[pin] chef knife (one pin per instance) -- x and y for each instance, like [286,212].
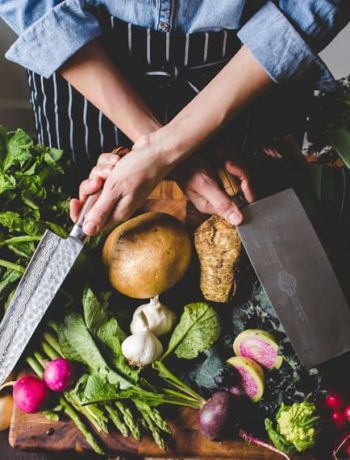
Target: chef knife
[296,274]
[45,273]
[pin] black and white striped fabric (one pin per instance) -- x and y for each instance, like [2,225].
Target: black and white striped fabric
[166,68]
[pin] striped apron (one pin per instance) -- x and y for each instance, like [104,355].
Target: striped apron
[167,69]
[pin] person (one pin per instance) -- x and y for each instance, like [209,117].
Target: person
[174,80]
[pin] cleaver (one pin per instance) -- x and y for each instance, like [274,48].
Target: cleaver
[45,273]
[295,272]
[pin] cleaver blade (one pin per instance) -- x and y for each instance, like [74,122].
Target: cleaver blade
[297,276]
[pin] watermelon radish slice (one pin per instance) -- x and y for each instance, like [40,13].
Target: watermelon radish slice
[260,346]
[252,374]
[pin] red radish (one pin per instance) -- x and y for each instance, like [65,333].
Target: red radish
[29,393]
[59,374]
[348,450]
[347,413]
[334,401]
[338,419]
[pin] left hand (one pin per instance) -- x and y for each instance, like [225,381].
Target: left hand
[198,180]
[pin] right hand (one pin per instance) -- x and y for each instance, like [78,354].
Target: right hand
[98,174]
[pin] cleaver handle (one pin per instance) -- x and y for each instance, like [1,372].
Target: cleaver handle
[232,186]
[77,230]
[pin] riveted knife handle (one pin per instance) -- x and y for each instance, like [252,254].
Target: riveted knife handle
[232,186]
[77,230]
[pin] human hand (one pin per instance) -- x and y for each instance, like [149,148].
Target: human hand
[197,179]
[126,181]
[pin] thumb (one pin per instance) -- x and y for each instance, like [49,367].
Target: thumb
[98,214]
[221,203]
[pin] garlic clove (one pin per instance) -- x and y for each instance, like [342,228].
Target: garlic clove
[142,349]
[160,319]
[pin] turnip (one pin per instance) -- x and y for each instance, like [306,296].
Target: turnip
[216,415]
[59,374]
[29,393]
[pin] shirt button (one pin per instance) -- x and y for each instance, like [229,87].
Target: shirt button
[164,26]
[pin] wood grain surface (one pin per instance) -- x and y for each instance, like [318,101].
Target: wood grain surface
[35,433]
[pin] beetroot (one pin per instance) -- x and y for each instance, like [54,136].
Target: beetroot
[30,393]
[216,415]
[59,374]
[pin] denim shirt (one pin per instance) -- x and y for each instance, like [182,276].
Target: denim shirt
[283,35]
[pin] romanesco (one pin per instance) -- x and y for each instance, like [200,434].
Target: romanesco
[296,426]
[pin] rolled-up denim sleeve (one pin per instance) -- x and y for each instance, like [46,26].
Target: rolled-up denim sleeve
[48,32]
[286,36]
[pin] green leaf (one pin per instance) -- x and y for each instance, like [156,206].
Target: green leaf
[52,156]
[14,222]
[77,343]
[6,183]
[7,281]
[96,389]
[3,143]
[19,146]
[196,331]
[106,330]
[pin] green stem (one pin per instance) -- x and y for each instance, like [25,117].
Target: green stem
[53,342]
[118,422]
[37,368]
[7,264]
[129,420]
[53,325]
[40,358]
[94,415]
[172,380]
[21,239]
[49,351]
[71,413]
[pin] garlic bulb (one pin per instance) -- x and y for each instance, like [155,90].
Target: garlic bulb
[160,319]
[143,347]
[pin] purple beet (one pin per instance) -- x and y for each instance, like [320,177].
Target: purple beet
[216,415]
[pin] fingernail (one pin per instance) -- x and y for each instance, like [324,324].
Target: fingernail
[89,227]
[113,160]
[234,218]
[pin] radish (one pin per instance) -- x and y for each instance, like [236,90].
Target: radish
[59,374]
[334,401]
[338,419]
[347,413]
[29,393]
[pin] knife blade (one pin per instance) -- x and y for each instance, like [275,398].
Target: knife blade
[45,273]
[295,273]
[43,277]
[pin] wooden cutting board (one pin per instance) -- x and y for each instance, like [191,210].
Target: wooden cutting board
[35,432]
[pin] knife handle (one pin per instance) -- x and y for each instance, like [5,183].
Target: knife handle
[77,230]
[232,186]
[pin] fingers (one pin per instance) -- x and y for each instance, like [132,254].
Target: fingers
[220,202]
[88,187]
[74,209]
[100,212]
[241,173]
